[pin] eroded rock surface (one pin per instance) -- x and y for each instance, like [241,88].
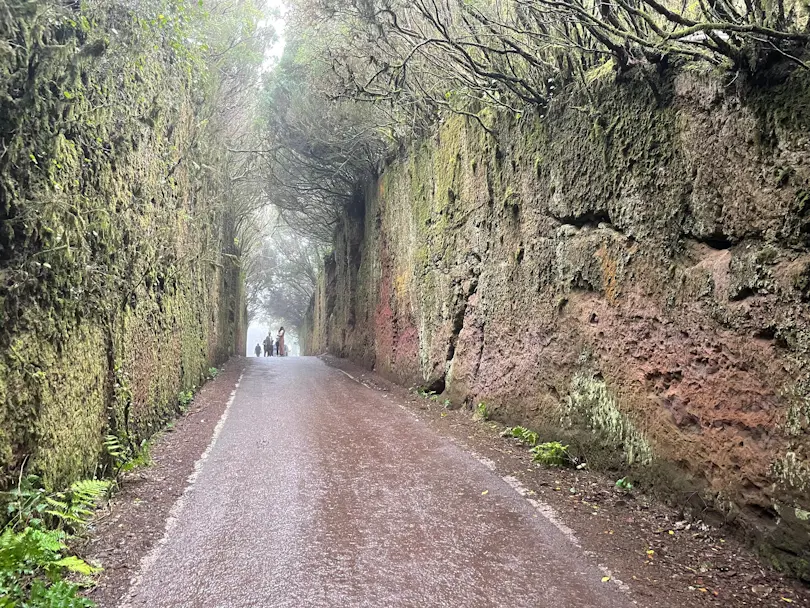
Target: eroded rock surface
[630,272]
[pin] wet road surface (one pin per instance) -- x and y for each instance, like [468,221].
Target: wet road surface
[322,492]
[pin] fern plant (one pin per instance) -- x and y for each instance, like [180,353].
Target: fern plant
[552,453]
[34,557]
[118,453]
[74,508]
[60,594]
[32,566]
[523,435]
[481,412]
[124,457]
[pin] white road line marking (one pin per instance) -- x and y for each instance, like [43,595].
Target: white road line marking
[376,390]
[546,510]
[349,375]
[177,507]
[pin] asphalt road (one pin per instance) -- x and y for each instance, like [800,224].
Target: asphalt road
[320,491]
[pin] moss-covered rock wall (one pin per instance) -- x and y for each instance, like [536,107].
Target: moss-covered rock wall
[628,273]
[119,273]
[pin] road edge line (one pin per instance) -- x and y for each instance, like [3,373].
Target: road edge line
[349,375]
[544,509]
[174,513]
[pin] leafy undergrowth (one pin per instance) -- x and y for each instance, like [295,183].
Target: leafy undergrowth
[481,412]
[550,453]
[37,568]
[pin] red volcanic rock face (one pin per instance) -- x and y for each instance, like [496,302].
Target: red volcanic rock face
[640,290]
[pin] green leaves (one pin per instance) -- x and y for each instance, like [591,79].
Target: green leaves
[523,435]
[34,560]
[126,457]
[74,508]
[60,594]
[26,551]
[624,484]
[116,450]
[25,504]
[481,412]
[74,564]
[34,550]
[29,505]
[184,399]
[90,491]
[551,453]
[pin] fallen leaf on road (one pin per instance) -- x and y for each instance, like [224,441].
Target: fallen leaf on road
[605,579]
[761,590]
[485,492]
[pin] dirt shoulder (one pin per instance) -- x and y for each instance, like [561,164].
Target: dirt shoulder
[135,519]
[665,560]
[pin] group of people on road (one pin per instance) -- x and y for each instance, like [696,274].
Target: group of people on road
[273,345]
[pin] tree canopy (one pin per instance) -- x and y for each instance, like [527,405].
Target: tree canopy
[361,78]
[282,275]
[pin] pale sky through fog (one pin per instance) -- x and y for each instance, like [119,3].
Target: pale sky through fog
[273,54]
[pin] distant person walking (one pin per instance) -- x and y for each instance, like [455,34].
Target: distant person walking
[258,350]
[268,346]
[280,342]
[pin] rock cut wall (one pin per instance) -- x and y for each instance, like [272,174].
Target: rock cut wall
[119,276]
[629,274]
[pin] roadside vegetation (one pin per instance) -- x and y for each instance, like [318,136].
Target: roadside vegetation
[550,453]
[38,565]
